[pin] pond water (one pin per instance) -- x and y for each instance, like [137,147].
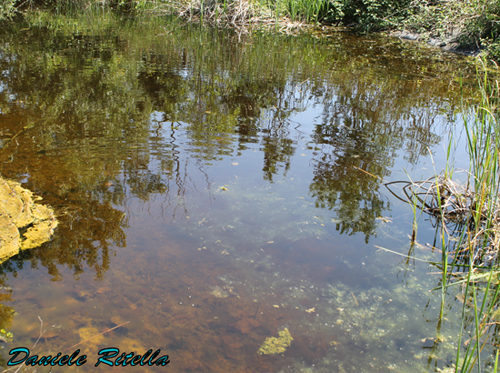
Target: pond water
[215,189]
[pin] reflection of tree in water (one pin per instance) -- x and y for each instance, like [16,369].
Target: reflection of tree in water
[277,128]
[338,186]
[57,157]
[362,130]
[91,95]
[89,225]
[111,120]
[277,151]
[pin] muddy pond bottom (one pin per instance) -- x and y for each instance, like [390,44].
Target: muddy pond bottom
[213,306]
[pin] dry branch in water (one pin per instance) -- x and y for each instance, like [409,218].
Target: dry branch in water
[459,209]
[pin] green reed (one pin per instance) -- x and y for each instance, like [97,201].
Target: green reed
[481,128]
[474,251]
[301,10]
[468,226]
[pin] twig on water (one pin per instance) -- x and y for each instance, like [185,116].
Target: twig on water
[404,255]
[41,331]
[366,172]
[40,336]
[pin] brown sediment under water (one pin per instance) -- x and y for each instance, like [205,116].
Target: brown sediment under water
[216,190]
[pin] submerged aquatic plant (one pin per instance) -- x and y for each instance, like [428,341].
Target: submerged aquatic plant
[273,345]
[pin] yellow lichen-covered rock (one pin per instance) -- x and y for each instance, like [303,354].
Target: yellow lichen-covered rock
[9,237]
[273,345]
[18,210]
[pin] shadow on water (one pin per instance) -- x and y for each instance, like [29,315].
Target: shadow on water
[212,190]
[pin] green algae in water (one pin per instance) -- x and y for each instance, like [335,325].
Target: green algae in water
[273,345]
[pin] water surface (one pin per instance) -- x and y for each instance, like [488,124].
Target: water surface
[215,189]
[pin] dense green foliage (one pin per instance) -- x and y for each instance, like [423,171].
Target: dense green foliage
[7,8]
[483,28]
[367,14]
